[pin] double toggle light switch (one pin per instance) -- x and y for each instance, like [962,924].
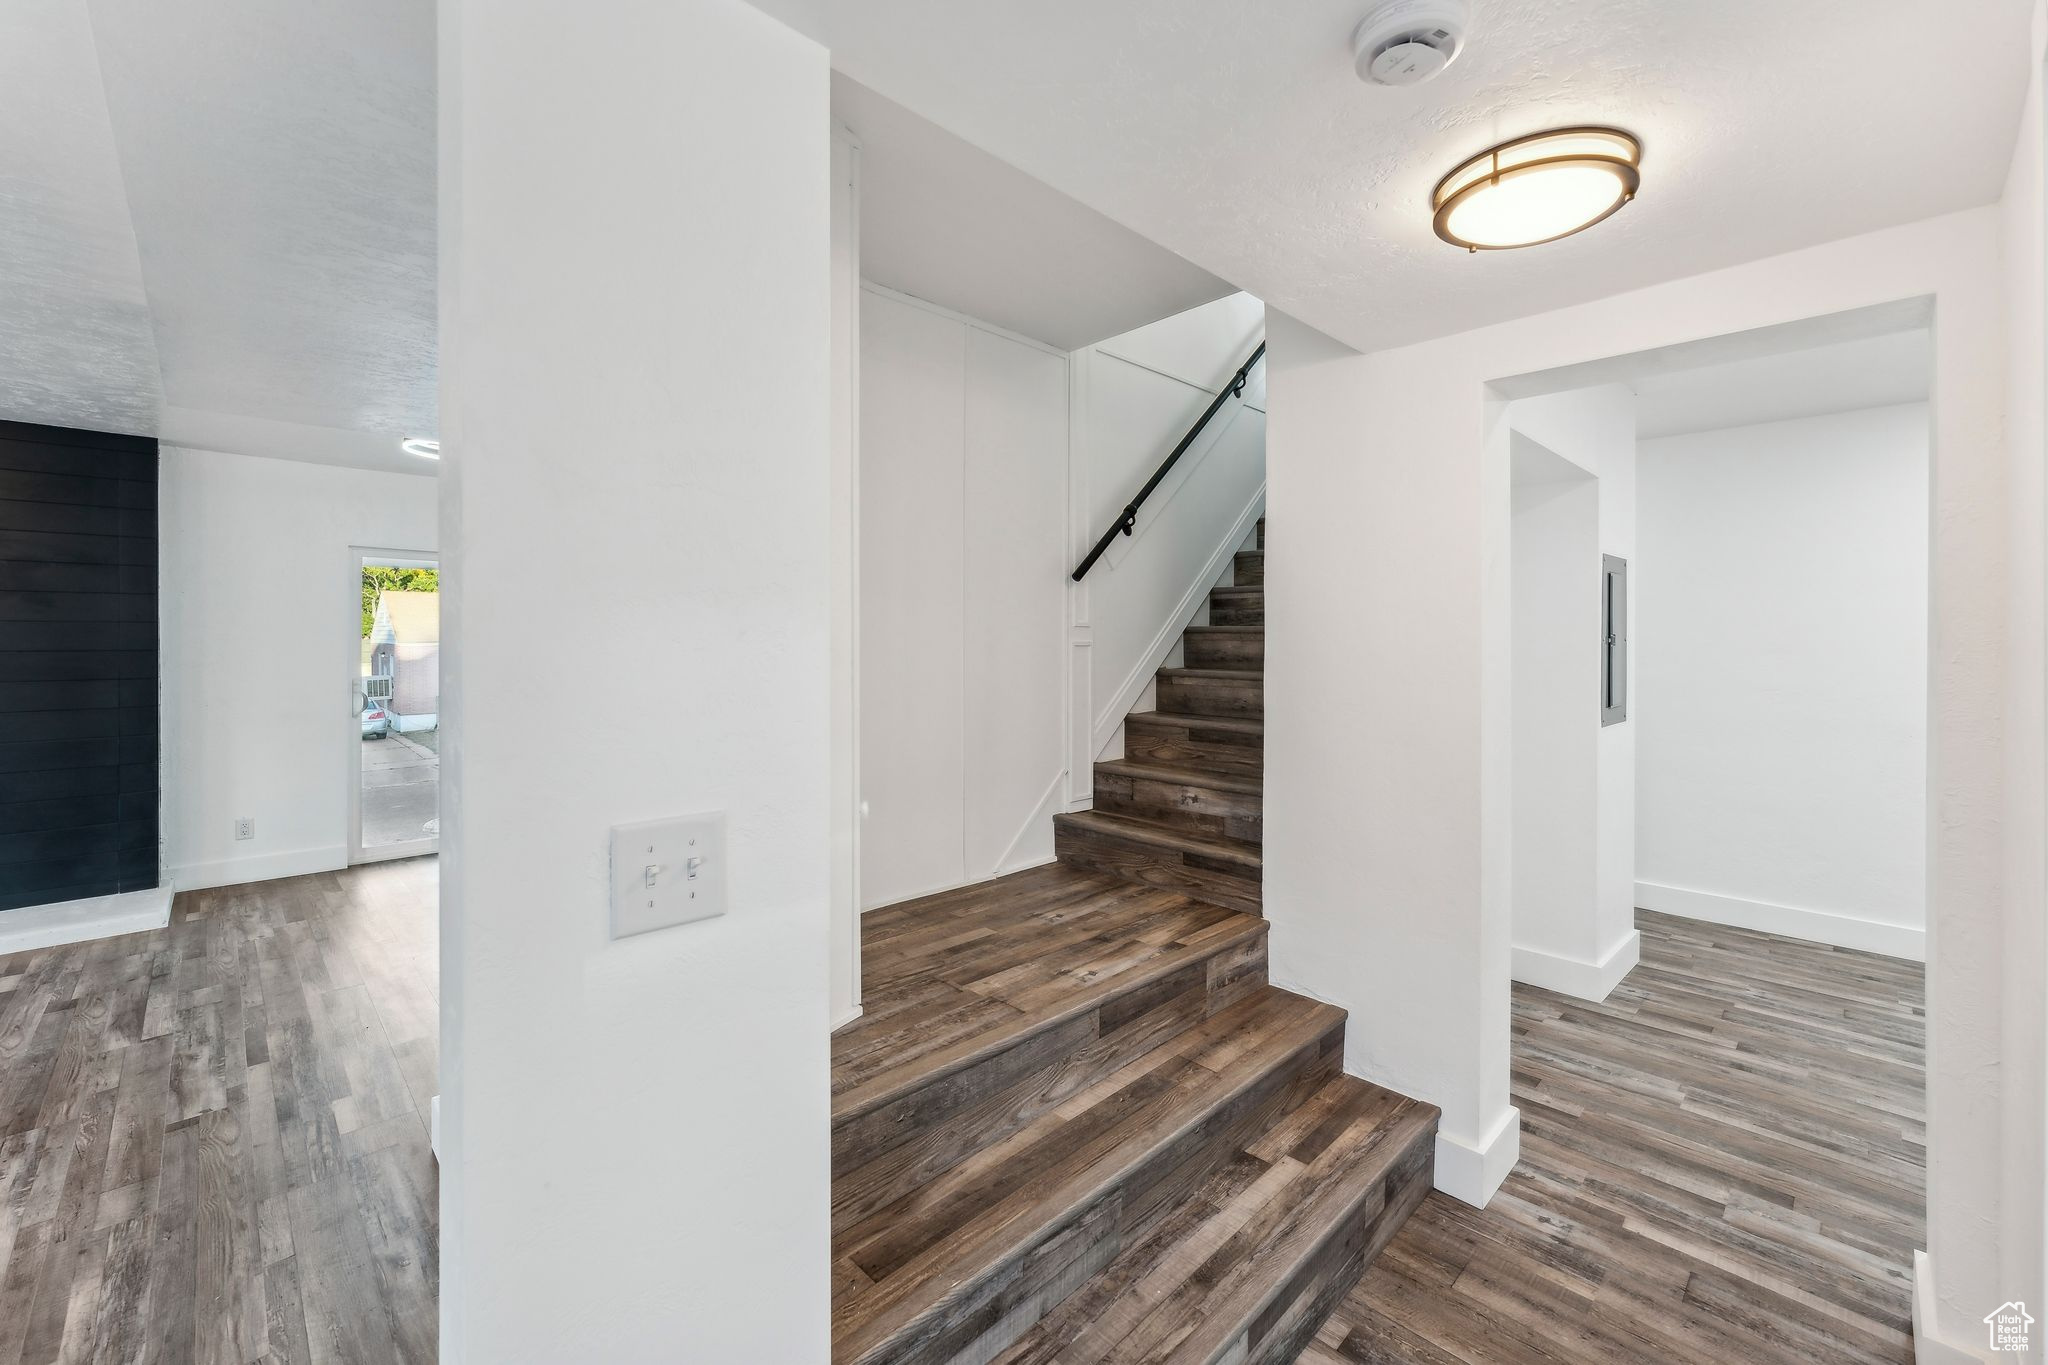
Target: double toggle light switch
[667,872]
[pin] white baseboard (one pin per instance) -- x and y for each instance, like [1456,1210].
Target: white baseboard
[260,868]
[1473,1171]
[1574,976]
[1929,1349]
[1022,865]
[79,921]
[1020,854]
[846,1017]
[1816,926]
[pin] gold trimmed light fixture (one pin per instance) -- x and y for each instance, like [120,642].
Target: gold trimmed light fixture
[1536,189]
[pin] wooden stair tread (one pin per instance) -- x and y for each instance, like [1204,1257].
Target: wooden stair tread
[906,1268]
[1239,590]
[1182,777]
[1147,831]
[1224,630]
[1242,725]
[954,1001]
[1190,1293]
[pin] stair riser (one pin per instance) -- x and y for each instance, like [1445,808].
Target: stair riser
[1200,810]
[1213,696]
[1213,880]
[985,1318]
[1234,609]
[1250,569]
[1280,1334]
[1182,742]
[881,1155]
[1262,533]
[1203,649]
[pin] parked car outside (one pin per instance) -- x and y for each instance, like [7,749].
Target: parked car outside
[376,720]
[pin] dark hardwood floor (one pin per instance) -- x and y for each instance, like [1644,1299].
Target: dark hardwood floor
[213,1136]
[1722,1162]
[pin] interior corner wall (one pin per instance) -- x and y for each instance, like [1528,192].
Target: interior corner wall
[1555,536]
[2024,1118]
[1595,429]
[846,292]
[1781,652]
[635,391]
[258,595]
[963,598]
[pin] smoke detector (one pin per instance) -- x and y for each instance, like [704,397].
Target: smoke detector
[1405,42]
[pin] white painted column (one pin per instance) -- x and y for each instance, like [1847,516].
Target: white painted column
[635,319]
[1386,483]
[1586,947]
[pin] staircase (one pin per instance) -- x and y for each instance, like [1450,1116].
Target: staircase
[1183,807]
[1075,1123]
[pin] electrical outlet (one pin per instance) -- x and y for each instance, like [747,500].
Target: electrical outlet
[245,827]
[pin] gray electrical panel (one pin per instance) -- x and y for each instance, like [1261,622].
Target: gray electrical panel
[1614,639]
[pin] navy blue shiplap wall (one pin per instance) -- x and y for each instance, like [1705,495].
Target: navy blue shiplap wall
[78,664]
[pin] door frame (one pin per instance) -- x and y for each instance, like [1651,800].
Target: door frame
[359,556]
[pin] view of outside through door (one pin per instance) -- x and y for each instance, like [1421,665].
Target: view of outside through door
[399,696]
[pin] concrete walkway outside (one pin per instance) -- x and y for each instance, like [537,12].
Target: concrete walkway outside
[401,791]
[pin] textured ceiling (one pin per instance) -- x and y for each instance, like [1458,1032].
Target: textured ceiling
[279,160]
[951,224]
[75,341]
[224,209]
[1238,136]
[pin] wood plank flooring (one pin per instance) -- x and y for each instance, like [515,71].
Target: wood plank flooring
[213,1136]
[1723,1162]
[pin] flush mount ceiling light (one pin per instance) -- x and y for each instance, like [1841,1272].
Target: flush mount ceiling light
[421,446]
[1536,189]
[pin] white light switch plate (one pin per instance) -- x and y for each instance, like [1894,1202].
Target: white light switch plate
[667,872]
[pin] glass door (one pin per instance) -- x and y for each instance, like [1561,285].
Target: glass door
[395,696]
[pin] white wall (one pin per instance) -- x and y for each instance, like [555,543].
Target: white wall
[1781,655]
[963,458]
[634,1133]
[1584,948]
[1555,535]
[988,464]
[1387,854]
[1135,396]
[2024,1120]
[259,600]
[845,513]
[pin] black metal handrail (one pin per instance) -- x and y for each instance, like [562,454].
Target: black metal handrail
[1129,518]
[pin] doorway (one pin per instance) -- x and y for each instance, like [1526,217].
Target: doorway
[394,733]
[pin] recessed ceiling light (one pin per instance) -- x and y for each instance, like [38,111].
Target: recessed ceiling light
[1538,188]
[421,446]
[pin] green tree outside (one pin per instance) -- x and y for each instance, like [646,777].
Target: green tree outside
[383,577]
